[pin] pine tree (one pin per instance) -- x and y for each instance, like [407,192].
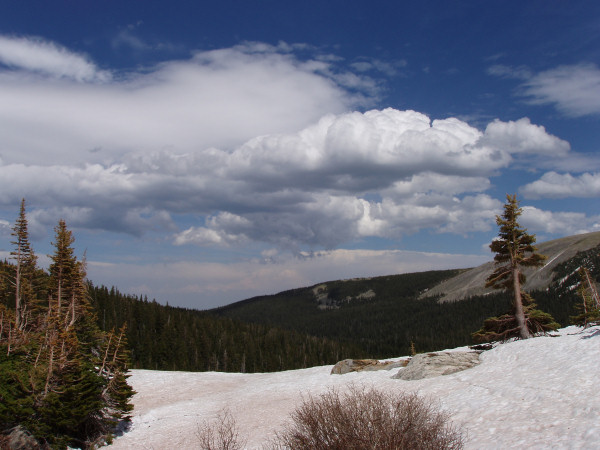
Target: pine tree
[25,265]
[589,309]
[63,270]
[514,250]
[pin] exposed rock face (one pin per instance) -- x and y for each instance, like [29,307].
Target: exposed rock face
[357,365]
[321,293]
[428,365]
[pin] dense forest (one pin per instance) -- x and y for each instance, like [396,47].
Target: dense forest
[163,337]
[386,324]
[170,338]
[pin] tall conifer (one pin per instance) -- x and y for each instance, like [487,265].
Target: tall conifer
[514,250]
[25,265]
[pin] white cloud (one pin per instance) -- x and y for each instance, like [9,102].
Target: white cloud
[572,89]
[48,58]
[555,185]
[217,98]
[249,144]
[5,228]
[214,232]
[562,223]
[382,173]
[522,136]
[575,90]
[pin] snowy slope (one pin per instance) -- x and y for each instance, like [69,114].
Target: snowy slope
[540,393]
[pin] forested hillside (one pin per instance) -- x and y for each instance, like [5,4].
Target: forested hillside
[169,338]
[385,324]
[392,317]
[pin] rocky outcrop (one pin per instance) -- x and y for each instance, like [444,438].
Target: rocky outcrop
[358,365]
[325,302]
[19,439]
[428,365]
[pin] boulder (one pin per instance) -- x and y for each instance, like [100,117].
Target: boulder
[358,365]
[428,365]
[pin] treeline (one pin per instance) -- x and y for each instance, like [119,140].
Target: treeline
[163,337]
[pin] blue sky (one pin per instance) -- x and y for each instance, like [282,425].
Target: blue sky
[203,153]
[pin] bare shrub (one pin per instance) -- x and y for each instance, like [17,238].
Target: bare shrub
[221,434]
[368,419]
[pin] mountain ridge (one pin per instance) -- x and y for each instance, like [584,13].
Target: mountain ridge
[472,281]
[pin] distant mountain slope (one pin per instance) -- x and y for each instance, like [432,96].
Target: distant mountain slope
[384,315]
[472,281]
[381,314]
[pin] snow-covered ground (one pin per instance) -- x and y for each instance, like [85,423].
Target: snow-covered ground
[542,393]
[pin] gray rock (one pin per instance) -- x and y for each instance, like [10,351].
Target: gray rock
[428,365]
[358,365]
[20,439]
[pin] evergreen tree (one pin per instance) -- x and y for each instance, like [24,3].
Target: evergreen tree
[56,384]
[514,250]
[589,309]
[25,265]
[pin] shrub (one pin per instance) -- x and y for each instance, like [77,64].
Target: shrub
[368,419]
[222,435]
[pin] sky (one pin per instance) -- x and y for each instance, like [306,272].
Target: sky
[207,152]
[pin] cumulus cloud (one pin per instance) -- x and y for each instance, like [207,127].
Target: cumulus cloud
[555,185]
[563,223]
[522,136]
[572,89]
[383,173]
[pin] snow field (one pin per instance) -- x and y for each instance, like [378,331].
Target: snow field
[541,393]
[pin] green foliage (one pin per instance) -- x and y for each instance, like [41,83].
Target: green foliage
[513,250]
[506,327]
[16,405]
[53,381]
[382,326]
[163,337]
[589,308]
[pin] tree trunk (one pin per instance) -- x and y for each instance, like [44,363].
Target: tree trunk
[519,312]
[18,312]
